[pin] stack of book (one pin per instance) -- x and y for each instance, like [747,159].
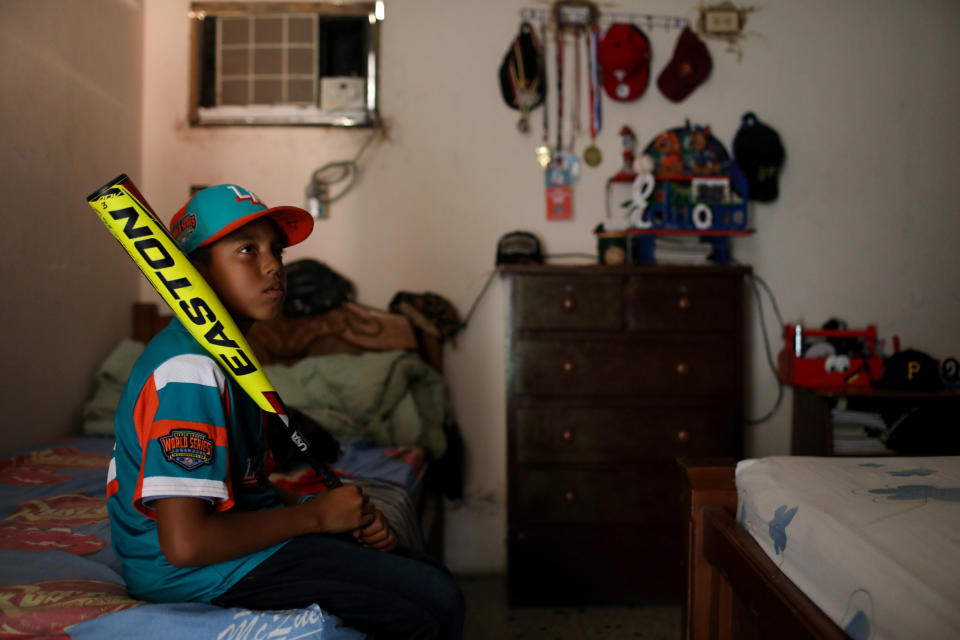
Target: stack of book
[858,432]
[681,250]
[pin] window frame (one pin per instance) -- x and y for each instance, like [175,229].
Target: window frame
[282,115]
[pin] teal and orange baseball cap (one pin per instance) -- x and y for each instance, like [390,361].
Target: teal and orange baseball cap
[216,211]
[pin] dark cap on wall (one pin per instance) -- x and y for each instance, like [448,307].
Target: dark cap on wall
[759,153]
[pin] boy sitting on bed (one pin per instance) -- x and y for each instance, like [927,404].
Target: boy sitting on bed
[209,526]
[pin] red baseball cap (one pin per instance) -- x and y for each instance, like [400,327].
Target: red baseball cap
[624,57]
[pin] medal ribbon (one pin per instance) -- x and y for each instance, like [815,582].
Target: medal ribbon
[546,118]
[575,125]
[559,89]
[596,118]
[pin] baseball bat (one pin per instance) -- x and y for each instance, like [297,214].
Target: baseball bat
[145,238]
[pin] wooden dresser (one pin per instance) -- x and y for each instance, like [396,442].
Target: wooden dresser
[613,373]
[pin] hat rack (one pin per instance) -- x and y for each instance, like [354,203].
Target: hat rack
[605,19]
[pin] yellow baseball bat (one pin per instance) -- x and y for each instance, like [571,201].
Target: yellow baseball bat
[140,232]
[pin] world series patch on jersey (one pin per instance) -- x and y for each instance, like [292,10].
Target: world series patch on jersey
[189,449]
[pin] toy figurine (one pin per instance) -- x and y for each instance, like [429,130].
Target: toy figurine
[628,141]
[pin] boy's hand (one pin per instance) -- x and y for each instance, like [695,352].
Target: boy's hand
[340,510]
[377,534]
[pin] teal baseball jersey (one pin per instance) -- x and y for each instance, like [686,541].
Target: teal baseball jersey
[183,429]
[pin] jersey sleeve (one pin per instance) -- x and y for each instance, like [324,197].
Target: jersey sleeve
[181,419]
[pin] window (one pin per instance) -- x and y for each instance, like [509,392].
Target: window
[284,63]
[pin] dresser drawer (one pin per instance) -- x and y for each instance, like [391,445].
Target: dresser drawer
[697,364]
[677,303]
[545,302]
[650,493]
[599,434]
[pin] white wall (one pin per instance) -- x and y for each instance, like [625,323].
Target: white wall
[864,95]
[70,117]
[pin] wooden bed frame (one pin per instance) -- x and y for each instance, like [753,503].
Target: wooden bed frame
[733,588]
[352,328]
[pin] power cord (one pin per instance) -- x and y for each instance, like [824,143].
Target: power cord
[486,285]
[319,190]
[757,282]
[476,301]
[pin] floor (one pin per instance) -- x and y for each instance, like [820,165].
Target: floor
[489,617]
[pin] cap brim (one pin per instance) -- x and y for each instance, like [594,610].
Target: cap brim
[295,224]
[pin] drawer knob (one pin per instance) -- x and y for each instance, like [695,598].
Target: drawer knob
[567,435]
[683,435]
[684,302]
[569,304]
[568,366]
[683,368]
[569,497]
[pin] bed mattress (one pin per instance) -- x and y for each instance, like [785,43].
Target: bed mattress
[874,542]
[59,577]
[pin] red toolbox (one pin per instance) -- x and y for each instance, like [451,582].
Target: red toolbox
[829,372]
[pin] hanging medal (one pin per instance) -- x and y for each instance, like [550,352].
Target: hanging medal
[592,155]
[571,161]
[565,158]
[559,189]
[575,115]
[543,151]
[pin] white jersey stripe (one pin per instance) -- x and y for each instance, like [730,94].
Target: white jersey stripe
[173,486]
[190,368]
[112,470]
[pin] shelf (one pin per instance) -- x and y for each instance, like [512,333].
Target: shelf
[690,232]
[873,392]
[813,424]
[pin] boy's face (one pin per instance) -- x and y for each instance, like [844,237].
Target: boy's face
[246,271]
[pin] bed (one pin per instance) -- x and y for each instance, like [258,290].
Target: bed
[59,577]
[805,547]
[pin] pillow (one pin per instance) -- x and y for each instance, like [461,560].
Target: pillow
[108,386]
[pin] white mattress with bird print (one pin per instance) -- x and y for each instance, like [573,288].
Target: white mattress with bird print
[873,542]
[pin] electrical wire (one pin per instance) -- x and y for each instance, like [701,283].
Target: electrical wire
[476,300]
[757,282]
[338,172]
[486,285]
[773,300]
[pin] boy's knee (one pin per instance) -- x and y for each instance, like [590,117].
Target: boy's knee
[439,615]
[451,609]
[453,600]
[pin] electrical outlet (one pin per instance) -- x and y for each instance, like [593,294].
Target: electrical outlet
[316,208]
